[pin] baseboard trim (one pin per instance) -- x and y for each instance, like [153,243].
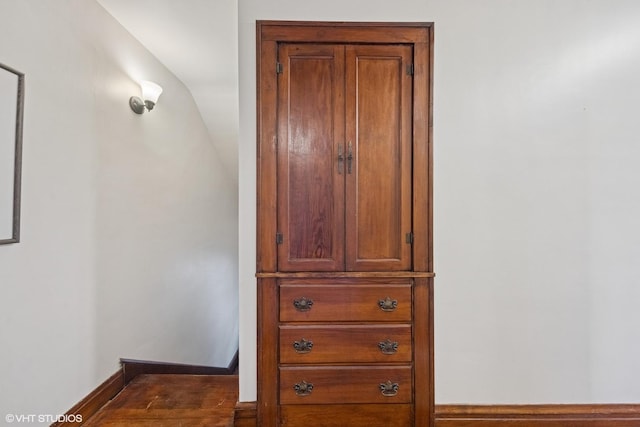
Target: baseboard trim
[132,368]
[556,415]
[245,414]
[95,400]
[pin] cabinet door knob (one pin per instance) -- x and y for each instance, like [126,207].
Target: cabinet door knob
[303,346]
[388,304]
[303,388]
[303,304]
[349,157]
[388,347]
[389,389]
[340,159]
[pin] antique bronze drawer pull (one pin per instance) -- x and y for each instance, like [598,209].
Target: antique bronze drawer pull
[388,304]
[303,388]
[303,346]
[302,304]
[388,347]
[389,389]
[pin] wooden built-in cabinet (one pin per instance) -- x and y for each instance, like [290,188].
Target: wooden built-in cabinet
[344,260]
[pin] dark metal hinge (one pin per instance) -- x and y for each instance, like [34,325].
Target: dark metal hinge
[278,67]
[279,239]
[410,69]
[409,238]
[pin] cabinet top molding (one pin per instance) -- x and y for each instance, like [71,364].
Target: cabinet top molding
[345,32]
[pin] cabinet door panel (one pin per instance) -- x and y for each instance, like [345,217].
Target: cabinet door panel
[310,185]
[378,127]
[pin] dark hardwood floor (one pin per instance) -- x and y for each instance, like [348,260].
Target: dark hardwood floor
[172,400]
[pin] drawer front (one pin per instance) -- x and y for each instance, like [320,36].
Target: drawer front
[346,415]
[345,343]
[345,384]
[345,303]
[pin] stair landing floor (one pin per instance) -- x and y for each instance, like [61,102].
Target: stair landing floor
[172,401]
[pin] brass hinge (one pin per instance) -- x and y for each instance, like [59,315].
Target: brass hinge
[279,239]
[409,238]
[410,69]
[278,67]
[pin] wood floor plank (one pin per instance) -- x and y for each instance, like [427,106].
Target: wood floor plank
[172,400]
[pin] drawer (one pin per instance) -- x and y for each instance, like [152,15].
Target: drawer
[346,415]
[345,384]
[345,303]
[342,343]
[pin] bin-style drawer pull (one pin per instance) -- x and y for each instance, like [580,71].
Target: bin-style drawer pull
[303,388]
[388,347]
[303,346]
[303,304]
[389,389]
[388,304]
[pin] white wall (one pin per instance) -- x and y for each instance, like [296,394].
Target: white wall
[536,200]
[129,222]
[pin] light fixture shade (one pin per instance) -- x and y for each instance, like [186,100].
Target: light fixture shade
[150,91]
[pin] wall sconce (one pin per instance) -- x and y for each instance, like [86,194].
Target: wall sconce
[150,94]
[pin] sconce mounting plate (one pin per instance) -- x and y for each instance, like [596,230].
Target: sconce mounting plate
[136,105]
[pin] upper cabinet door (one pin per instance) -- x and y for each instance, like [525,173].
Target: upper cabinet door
[344,167]
[310,157]
[379,174]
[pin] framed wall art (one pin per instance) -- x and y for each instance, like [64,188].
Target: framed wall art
[11,116]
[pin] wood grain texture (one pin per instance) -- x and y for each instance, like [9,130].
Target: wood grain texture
[95,400]
[384,115]
[267,352]
[267,139]
[310,180]
[537,415]
[423,352]
[398,415]
[172,400]
[344,32]
[346,275]
[378,132]
[245,414]
[422,159]
[594,415]
[358,301]
[346,343]
[130,369]
[345,384]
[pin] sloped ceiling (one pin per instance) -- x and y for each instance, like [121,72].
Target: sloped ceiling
[198,41]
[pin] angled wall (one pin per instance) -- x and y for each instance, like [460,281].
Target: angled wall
[129,223]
